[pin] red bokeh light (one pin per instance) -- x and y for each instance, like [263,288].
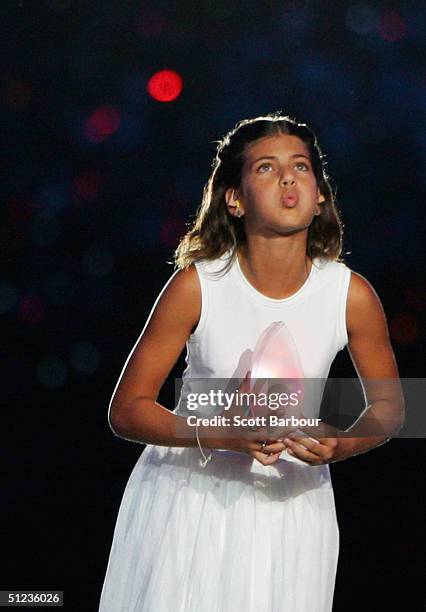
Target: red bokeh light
[165,86]
[31,309]
[102,123]
[391,26]
[403,329]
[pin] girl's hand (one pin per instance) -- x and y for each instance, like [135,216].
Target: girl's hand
[256,443]
[325,450]
[266,455]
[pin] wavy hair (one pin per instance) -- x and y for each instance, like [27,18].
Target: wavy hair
[215,231]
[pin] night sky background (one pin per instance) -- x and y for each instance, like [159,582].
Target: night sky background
[103,161]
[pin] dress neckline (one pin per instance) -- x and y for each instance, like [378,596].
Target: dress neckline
[266,299]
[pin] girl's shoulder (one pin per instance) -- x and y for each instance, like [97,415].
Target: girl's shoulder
[331,272]
[184,282]
[215,268]
[329,265]
[179,301]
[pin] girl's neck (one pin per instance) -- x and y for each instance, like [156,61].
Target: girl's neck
[275,272]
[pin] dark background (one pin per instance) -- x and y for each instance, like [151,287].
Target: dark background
[98,181]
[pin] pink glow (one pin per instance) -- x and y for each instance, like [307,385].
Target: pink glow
[391,26]
[275,356]
[102,123]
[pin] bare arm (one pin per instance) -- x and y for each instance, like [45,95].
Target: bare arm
[373,358]
[134,413]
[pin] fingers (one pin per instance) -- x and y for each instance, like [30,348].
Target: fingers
[265,459]
[310,450]
[301,453]
[268,454]
[274,447]
[323,430]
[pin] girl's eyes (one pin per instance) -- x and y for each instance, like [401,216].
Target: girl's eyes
[268,165]
[263,166]
[303,164]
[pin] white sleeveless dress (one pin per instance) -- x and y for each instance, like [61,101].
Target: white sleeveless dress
[235,536]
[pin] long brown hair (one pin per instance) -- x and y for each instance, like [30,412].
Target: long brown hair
[215,231]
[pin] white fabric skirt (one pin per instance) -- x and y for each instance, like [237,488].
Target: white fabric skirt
[235,536]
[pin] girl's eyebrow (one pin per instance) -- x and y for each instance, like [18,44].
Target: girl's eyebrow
[275,157]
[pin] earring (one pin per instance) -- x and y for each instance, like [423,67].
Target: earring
[237,206]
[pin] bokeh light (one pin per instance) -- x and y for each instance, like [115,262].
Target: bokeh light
[102,124]
[391,26]
[84,357]
[165,86]
[31,309]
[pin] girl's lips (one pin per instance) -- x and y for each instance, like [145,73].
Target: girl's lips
[290,200]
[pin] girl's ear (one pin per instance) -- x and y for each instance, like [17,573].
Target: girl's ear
[233,203]
[229,196]
[321,198]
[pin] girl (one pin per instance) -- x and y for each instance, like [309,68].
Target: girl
[252,526]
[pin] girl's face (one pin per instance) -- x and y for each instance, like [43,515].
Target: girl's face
[278,192]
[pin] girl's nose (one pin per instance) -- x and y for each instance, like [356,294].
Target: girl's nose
[287,179]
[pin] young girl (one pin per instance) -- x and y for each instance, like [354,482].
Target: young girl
[212,522]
